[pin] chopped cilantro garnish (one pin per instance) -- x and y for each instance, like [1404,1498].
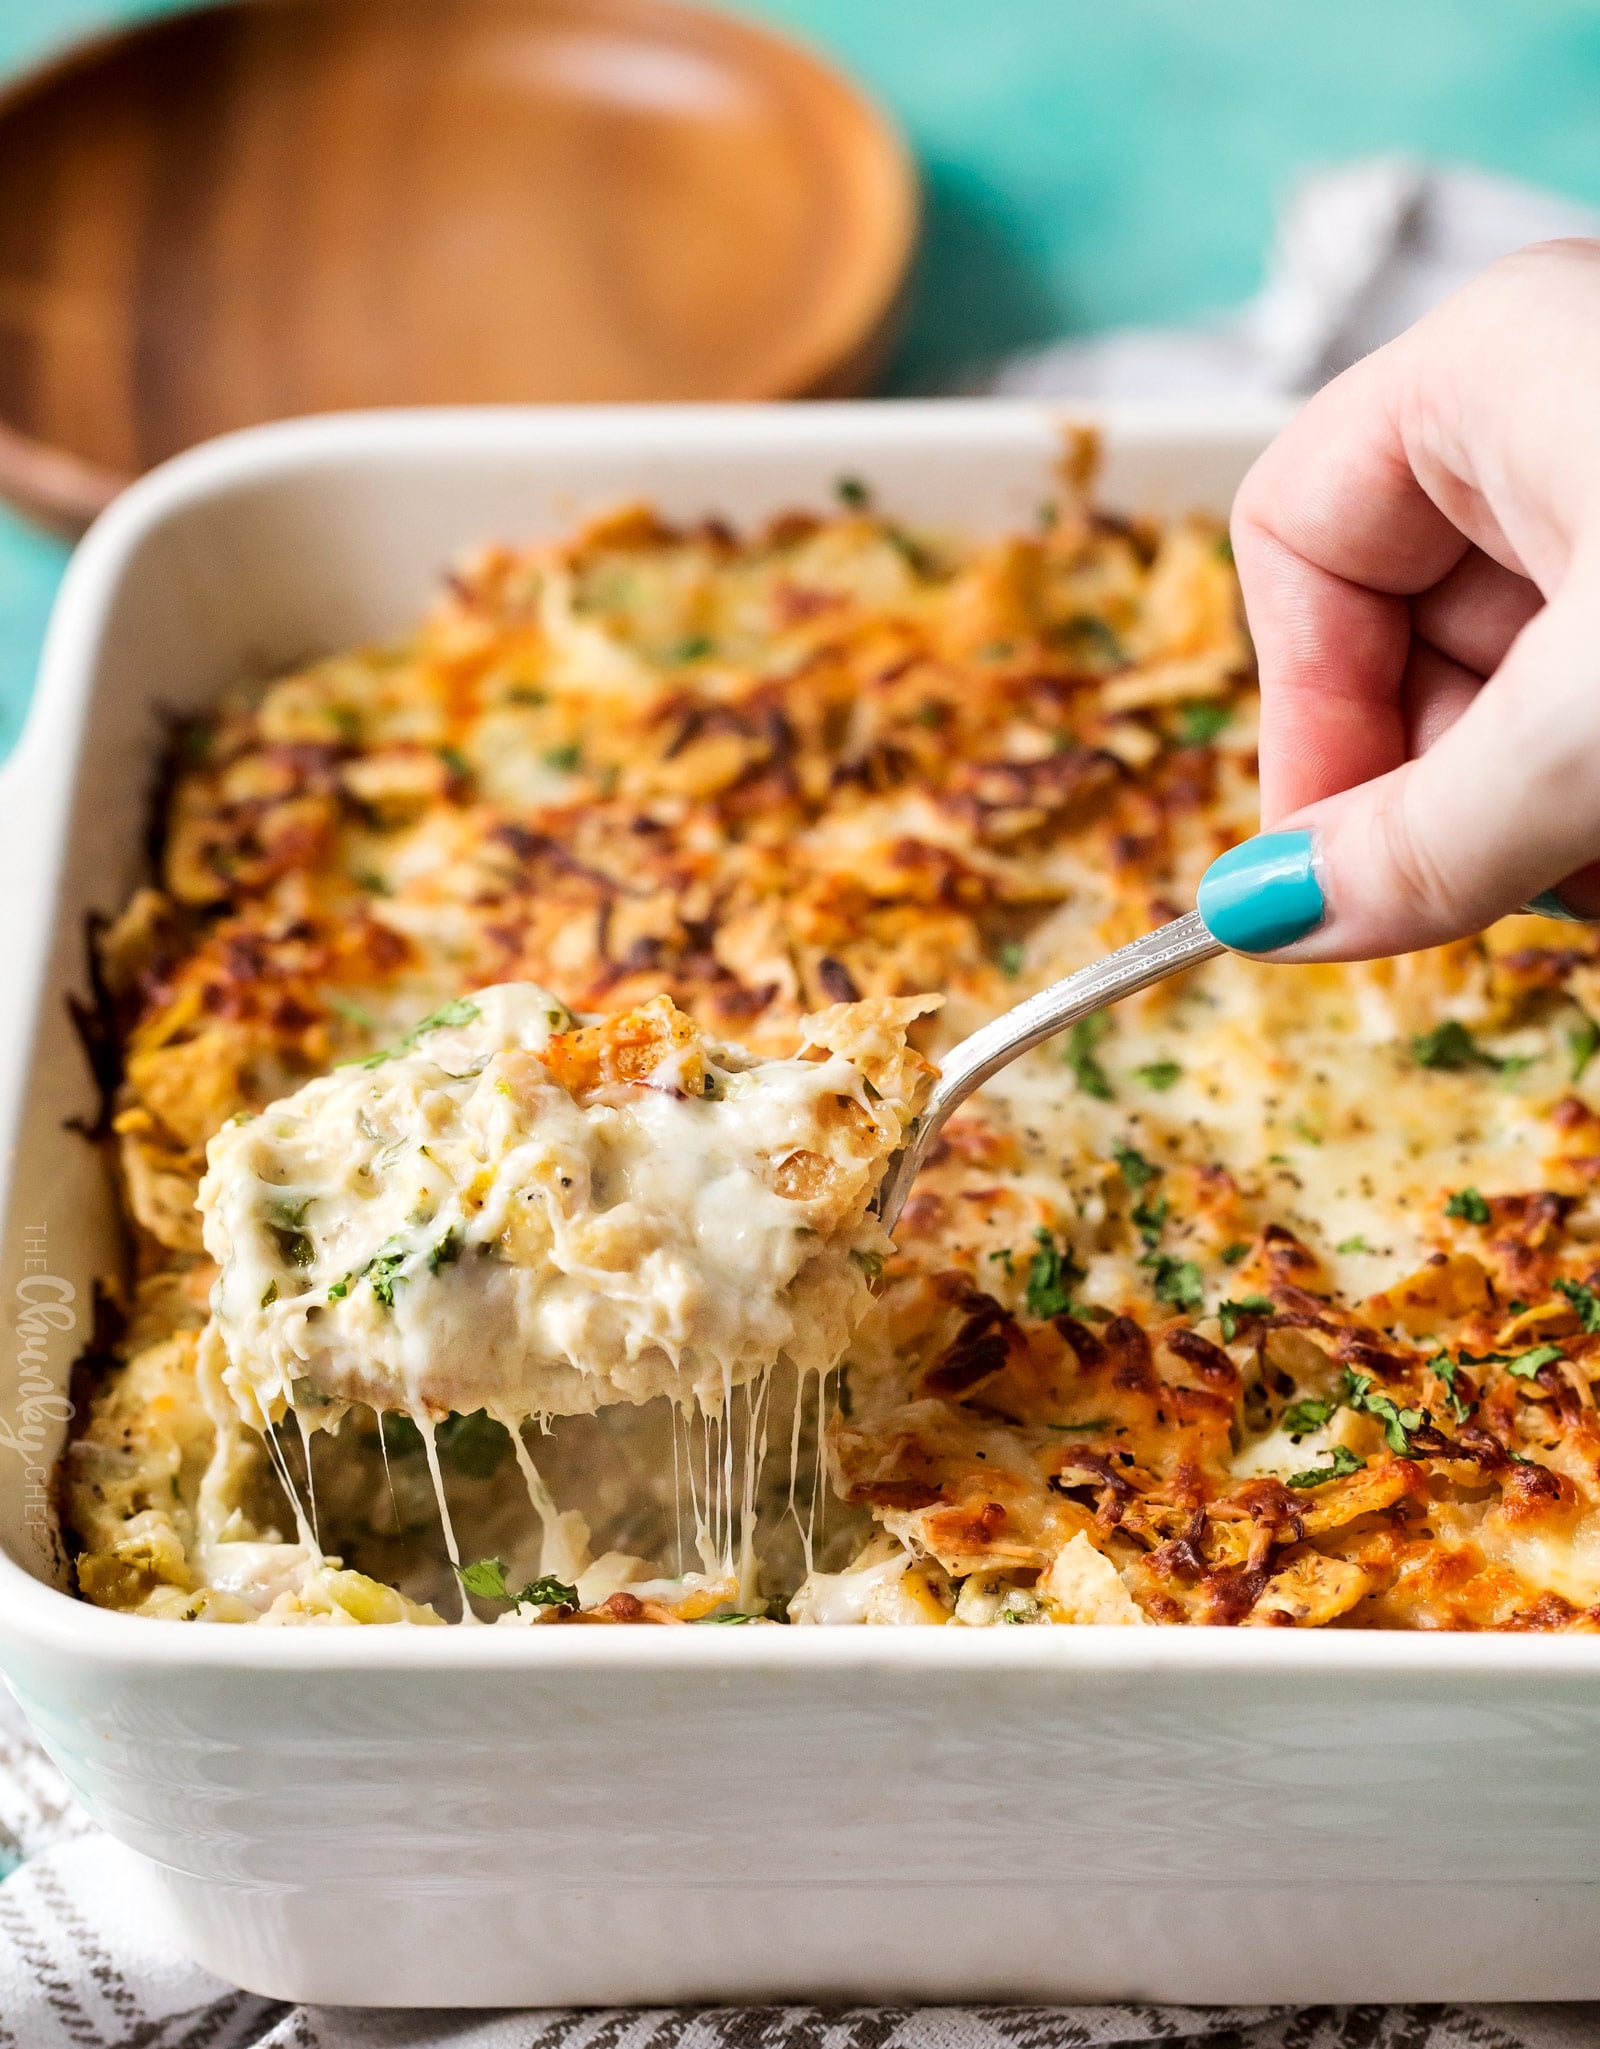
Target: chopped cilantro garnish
[1050,1276]
[548,1592]
[294,1247]
[870,1263]
[1360,1393]
[852,492]
[694,647]
[732,1617]
[934,713]
[285,1214]
[487,1579]
[454,760]
[1087,1072]
[1008,958]
[383,1273]
[1468,1206]
[1526,1364]
[1178,1281]
[1584,1300]
[1238,1250]
[1452,1047]
[1583,1044]
[460,1010]
[916,557]
[1005,1259]
[382,1269]
[1134,1168]
[1086,627]
[371,881]
[1343,1462]
[1449,1046]
[1229,1313]
[564,759]
[1306,1415]
[446,1251]
[1159,1074]
[269,1294]
[1353,1244]
[1447,1369]
[526,693]
[1224,549]
[1150,1217]
[1199,724]
[350,1010]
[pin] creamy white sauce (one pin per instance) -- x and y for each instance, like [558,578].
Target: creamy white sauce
[450,1229]
[881,1585]
[447,1227]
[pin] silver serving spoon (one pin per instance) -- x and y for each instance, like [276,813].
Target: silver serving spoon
[1166,951]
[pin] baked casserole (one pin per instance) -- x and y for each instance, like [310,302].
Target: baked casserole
[1268,1300]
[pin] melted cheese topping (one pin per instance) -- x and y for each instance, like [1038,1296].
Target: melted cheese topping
[1272,1300]
[489,1218]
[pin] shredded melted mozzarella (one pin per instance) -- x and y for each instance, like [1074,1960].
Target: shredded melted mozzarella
[450,1228]
[764,773]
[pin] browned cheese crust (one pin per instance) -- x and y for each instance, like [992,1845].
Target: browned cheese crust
[1345,1215]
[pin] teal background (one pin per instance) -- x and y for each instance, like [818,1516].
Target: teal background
[1089,162]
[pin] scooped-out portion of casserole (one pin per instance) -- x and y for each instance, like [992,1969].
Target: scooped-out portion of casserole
[1271,1299]
[514,1214]
[511,1212]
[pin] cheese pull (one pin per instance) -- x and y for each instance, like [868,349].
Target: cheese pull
[515,1211]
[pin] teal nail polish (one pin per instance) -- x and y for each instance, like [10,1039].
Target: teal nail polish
[1263,895]
[1548,903]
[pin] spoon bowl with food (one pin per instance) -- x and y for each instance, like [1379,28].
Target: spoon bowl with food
[518,1212]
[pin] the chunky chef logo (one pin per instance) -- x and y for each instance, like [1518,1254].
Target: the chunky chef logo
[44,1313]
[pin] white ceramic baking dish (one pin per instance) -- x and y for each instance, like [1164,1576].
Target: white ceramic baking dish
[497,1817]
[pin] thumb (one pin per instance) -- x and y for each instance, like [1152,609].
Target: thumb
[1503,806]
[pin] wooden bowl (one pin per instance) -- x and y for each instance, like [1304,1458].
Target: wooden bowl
[293,206]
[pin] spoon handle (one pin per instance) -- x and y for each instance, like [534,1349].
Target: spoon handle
[1166,951]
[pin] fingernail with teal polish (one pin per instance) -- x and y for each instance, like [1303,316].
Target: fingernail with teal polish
[1548,903]
[1263,895]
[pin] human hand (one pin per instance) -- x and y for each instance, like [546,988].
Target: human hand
[1420,558]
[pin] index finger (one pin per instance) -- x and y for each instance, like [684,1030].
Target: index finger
[1332,533]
